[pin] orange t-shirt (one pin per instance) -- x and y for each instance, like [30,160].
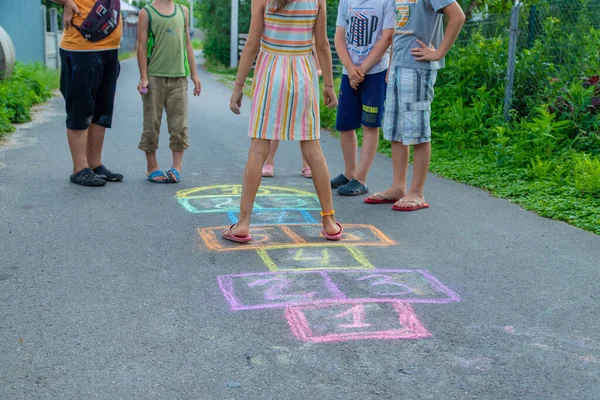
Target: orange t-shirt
[73,40]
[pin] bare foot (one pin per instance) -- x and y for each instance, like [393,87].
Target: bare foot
[390,193]
[238,231]
[410,200]
[160,178]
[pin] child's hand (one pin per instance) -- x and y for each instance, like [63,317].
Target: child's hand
[236,100]
[355,75]
[143,86]
[330,97]
[69,12]
[425,53]
[197,85]
[319,73]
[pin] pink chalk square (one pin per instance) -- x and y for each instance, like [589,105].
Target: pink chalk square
[339,321]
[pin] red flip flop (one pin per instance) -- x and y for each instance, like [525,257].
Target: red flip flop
[384,199]
[238,239]
[417,206]
[334,237]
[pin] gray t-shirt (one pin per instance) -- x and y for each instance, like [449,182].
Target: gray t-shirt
[418,19]
[364,21]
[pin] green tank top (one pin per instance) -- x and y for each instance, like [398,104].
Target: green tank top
[167,52]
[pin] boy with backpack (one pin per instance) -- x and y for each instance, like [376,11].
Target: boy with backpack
[165,59]
[418,52]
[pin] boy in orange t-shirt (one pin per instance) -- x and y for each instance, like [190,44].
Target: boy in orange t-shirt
[88,82]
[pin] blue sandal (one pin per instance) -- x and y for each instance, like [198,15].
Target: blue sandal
[173,175]
[153,177]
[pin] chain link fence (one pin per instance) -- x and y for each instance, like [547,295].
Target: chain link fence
[550,41]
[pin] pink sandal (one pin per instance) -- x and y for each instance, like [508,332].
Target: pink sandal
[335,236]
[268,170]
[227,234]
[306,172]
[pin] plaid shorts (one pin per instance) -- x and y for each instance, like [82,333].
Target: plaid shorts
[408,105]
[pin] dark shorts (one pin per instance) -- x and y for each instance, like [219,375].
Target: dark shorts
[88,82]
[361,107]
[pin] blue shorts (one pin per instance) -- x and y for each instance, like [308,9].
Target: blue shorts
[361,107]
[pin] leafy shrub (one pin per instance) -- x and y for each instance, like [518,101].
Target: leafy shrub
[586,174]
[30,84]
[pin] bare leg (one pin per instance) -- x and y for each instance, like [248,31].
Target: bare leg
[95,142]
[311,150]
[304,163]
[272,150]
[349,150]
[367,153]
[152,165]
[259,150]
[178,160]
[421,158]
[78,145]
[400,156]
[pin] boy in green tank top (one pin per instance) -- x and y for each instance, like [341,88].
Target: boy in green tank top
[165,58]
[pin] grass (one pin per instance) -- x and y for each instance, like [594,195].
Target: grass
[29,85]
[226,76]
[126,55]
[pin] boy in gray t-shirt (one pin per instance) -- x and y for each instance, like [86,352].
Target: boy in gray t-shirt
[418,51]
[363,35]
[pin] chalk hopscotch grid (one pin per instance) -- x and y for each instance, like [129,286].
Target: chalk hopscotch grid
[296,213]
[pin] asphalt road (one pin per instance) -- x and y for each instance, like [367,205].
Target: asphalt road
[124,292]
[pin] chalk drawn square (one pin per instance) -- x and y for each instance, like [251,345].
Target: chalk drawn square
[275,290]
[354,234]
[340,321]
[285,217]
[410,286]
[262,235]
[226,198]
[299,235]
[223,204]
[286,258]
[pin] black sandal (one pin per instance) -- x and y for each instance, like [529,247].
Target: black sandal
[107,174]
[87,177]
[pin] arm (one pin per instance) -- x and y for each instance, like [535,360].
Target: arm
[354,73]
[316,56]
[70,9]
[456,20]
[142,50]
[190,54]
[249,53]
[378,50]
[324,54]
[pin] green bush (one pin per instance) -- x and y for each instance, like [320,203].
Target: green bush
[30,84]
[547,158]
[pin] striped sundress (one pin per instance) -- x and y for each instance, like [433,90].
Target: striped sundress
[285,91]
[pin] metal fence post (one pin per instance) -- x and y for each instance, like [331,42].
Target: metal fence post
[234,34]
[44,15]
[54,29]
[512,58]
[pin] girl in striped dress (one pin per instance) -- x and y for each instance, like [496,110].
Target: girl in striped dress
[285,97]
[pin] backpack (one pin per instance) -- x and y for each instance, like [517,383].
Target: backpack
[102,20]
